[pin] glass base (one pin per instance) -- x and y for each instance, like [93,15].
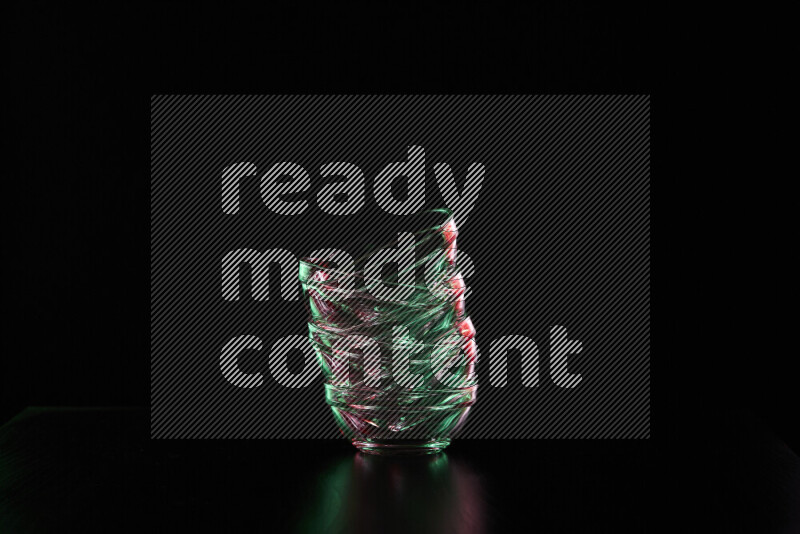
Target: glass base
[401,447]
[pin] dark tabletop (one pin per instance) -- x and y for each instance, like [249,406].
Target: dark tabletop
[78,470]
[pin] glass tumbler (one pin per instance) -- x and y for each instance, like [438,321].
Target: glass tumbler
[399,372]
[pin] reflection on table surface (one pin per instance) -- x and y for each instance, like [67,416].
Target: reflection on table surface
[366,493]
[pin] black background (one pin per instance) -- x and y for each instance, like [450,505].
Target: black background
[79,223]
[76,207]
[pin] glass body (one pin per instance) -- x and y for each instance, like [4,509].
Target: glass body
[399,372]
